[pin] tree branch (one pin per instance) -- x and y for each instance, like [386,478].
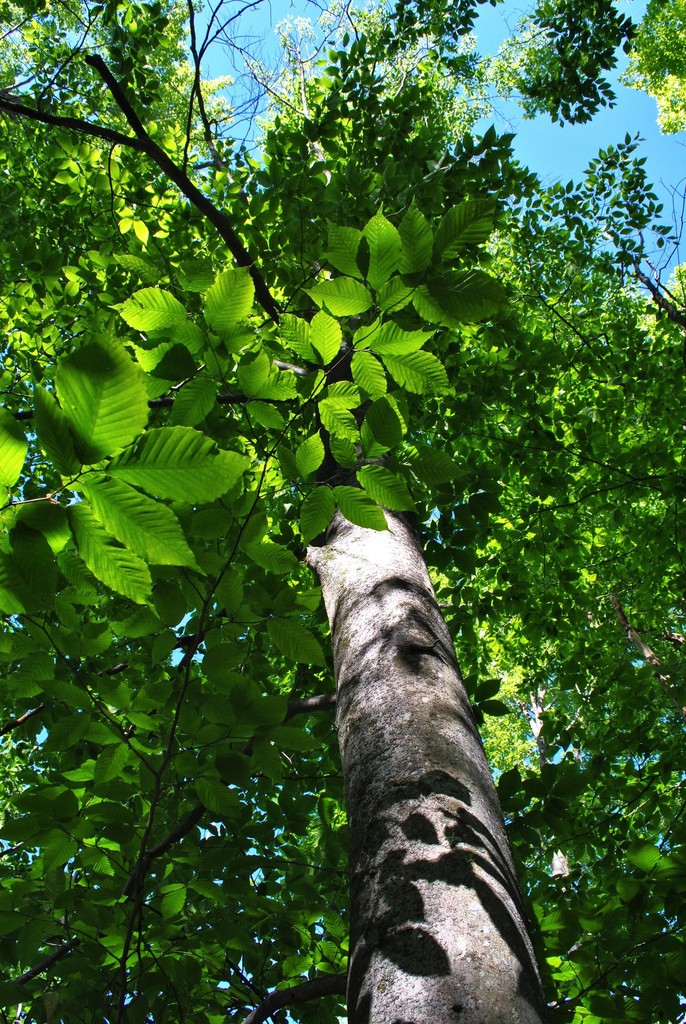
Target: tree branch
[10,105]
[674,314]
[144,144]
[648,654]
[16,722]
[167,401]
[200,201]
[322,702]
[61,951]
[324,985]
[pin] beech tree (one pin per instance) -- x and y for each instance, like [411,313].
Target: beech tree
[365,378]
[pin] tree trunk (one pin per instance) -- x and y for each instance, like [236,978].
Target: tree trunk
[438,933]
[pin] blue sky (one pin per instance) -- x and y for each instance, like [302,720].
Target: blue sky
[561,153]
[554,152]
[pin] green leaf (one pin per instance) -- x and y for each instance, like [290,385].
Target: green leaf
[384,249]
[141,524]
[494,707]
[316,512]
[341,297]
[343,451]
[27,573]
[104,399]
[173,899]
[358,508]
[110,762]
[643,855]
[13,449]
[229,300]
[292,737]
[193,402]
[296,335]
[297,642]
[417,241]
[176,364]
[181,464]
[266,415]
[217,798]
[53,432]
[337,419]
[394,295]
[152,309]
[326,336]
[309,455]
[389,339]
[470,223]
[49,519]
[345,393]
[272,557]
[369,374]
[342,251]
[119,569]
[418,372]
[433,467]
[459,297]
[385,421]
[253,372]
[385,488]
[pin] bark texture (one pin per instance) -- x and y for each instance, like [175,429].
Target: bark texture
[438,933]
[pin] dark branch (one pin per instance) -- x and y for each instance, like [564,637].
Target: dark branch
[48,961]
[16,722]
[324,985]
[674,314]
[322,702]
[144,144]
[167,401]
[12,106]
[200,201]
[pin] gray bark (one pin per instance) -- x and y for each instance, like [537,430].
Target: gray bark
[438,933]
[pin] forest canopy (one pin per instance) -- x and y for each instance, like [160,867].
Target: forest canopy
[245,316]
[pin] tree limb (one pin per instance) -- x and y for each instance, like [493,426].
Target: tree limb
[218,219]
[673,313]
[144,144]
[324,985]
[16,722]
[648,654]
[11,105]
[56,955]
[322,702]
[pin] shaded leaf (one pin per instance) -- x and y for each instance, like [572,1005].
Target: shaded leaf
[316,512]
[384,249]
[141,524]
[385,488]
[297,642]
[309,455]
[416,237]
[325,336]
[152,309]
